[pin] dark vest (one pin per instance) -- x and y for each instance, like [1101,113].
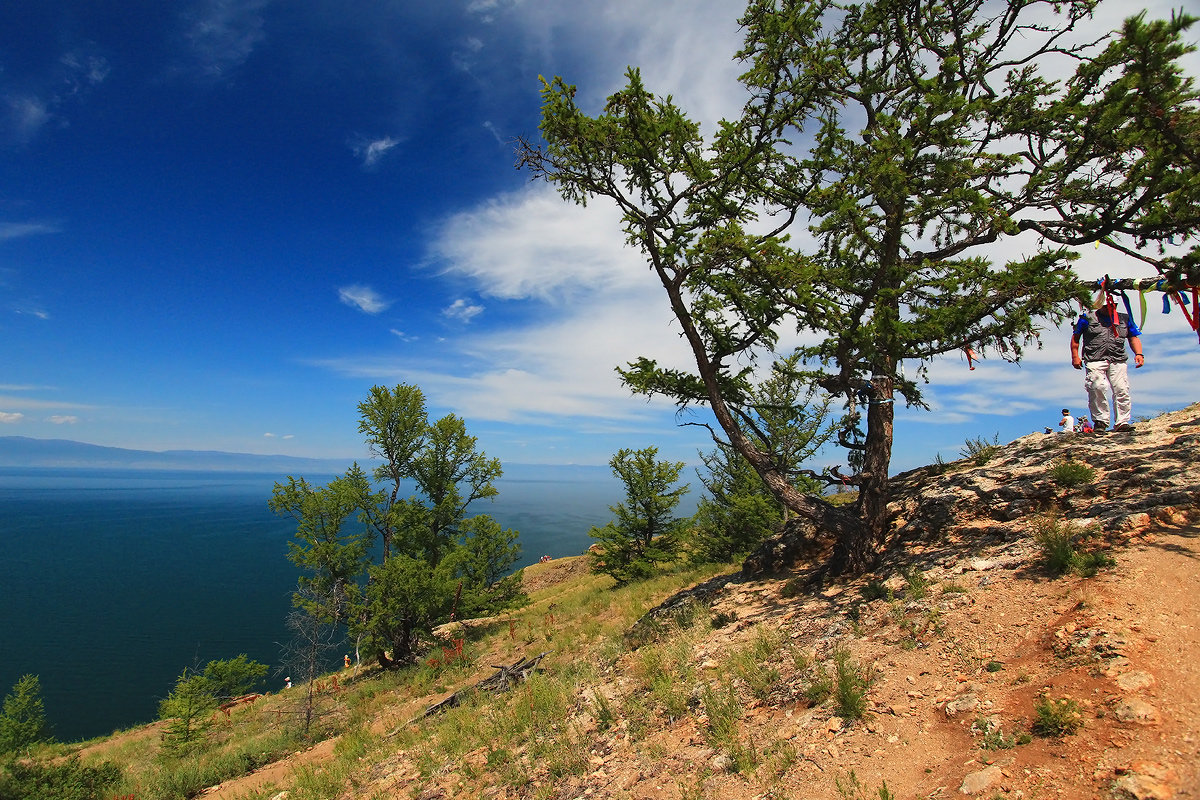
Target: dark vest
[1099,343]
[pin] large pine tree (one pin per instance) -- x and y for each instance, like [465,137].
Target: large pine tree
[902,141]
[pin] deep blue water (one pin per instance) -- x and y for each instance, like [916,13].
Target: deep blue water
[113,581]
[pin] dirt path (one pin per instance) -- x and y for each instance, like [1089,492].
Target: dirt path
[1157,600]
[277,774]
[1124,645]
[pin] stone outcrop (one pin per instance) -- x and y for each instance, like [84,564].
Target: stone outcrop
[1148,475]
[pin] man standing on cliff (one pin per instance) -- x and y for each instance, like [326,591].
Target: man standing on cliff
[1105,359]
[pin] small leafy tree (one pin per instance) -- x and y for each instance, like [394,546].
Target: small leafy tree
[737,513]
[23,719]
[790,422]
[188,711]
[234,677]
[483,563]
[189,707]
[645,532]
[386,566]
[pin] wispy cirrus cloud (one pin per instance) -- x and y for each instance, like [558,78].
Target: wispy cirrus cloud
[42,99]
[222,34]
[462,310]
[364,298]
[683,48]
[20,230]
[32,403]
[63,419]
[371,151]
[32,311]
[23,117]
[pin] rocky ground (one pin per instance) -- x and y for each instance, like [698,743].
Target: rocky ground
[963,633]
[961,668]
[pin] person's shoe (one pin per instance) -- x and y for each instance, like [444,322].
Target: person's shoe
[1123,427]
[1100,427]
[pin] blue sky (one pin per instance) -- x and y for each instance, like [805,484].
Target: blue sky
[222,221]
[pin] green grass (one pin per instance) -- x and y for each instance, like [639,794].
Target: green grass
[817,683]
[1060,547]
[851,788]
[979,450]
[992,736]
[917,585]
[850,686]
[757,664]
[1056,718]
[723,711]
[1068,473]
[875,590]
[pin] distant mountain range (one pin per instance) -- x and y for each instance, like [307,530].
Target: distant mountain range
[22,451]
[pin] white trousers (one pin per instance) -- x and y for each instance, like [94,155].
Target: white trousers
[1104,378]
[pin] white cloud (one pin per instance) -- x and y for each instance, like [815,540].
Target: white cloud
[464,57]
[222,34]
[364,298]
[533,244]
[482,6]
[24,117]
[402,336]
[32,403]
[684,48]
[591,305]
[565,367]
[490,127]
[63,419]
[462,310]
[11,417]
[18,230]
[370,151]
[84,70]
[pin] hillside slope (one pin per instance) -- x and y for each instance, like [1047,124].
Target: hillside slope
[944,656]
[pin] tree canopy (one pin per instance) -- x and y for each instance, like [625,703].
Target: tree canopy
[789,421]
[645,531]
[23,716]
[850,217]
[387,566]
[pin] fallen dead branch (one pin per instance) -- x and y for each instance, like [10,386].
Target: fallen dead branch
[503,680]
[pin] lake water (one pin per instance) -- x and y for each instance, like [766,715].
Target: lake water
[113,581]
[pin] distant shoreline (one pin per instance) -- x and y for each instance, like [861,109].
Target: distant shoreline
[27,453]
